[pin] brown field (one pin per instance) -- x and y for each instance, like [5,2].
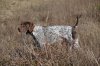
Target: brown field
[14,51]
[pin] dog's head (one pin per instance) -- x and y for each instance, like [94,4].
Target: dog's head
[26,27]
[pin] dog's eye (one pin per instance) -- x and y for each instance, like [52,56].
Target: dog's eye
[21,24]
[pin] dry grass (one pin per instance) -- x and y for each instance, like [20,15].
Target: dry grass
[16,50]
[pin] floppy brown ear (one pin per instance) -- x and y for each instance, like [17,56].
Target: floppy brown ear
[31,27]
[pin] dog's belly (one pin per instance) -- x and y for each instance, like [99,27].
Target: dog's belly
[52,34]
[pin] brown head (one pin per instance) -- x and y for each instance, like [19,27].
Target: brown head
[26,27]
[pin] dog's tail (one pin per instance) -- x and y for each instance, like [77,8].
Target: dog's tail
[74,32]
[77,21]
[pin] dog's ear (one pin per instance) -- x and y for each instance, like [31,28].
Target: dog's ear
[31,27]
[21,28]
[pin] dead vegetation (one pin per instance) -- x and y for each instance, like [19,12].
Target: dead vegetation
[16,50]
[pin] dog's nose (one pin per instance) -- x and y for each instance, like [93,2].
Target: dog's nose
[19,29]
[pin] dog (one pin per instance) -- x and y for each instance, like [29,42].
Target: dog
[50,34]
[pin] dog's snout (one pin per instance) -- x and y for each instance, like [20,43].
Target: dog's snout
[19,29]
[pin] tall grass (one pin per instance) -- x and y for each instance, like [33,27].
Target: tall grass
[18,50]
